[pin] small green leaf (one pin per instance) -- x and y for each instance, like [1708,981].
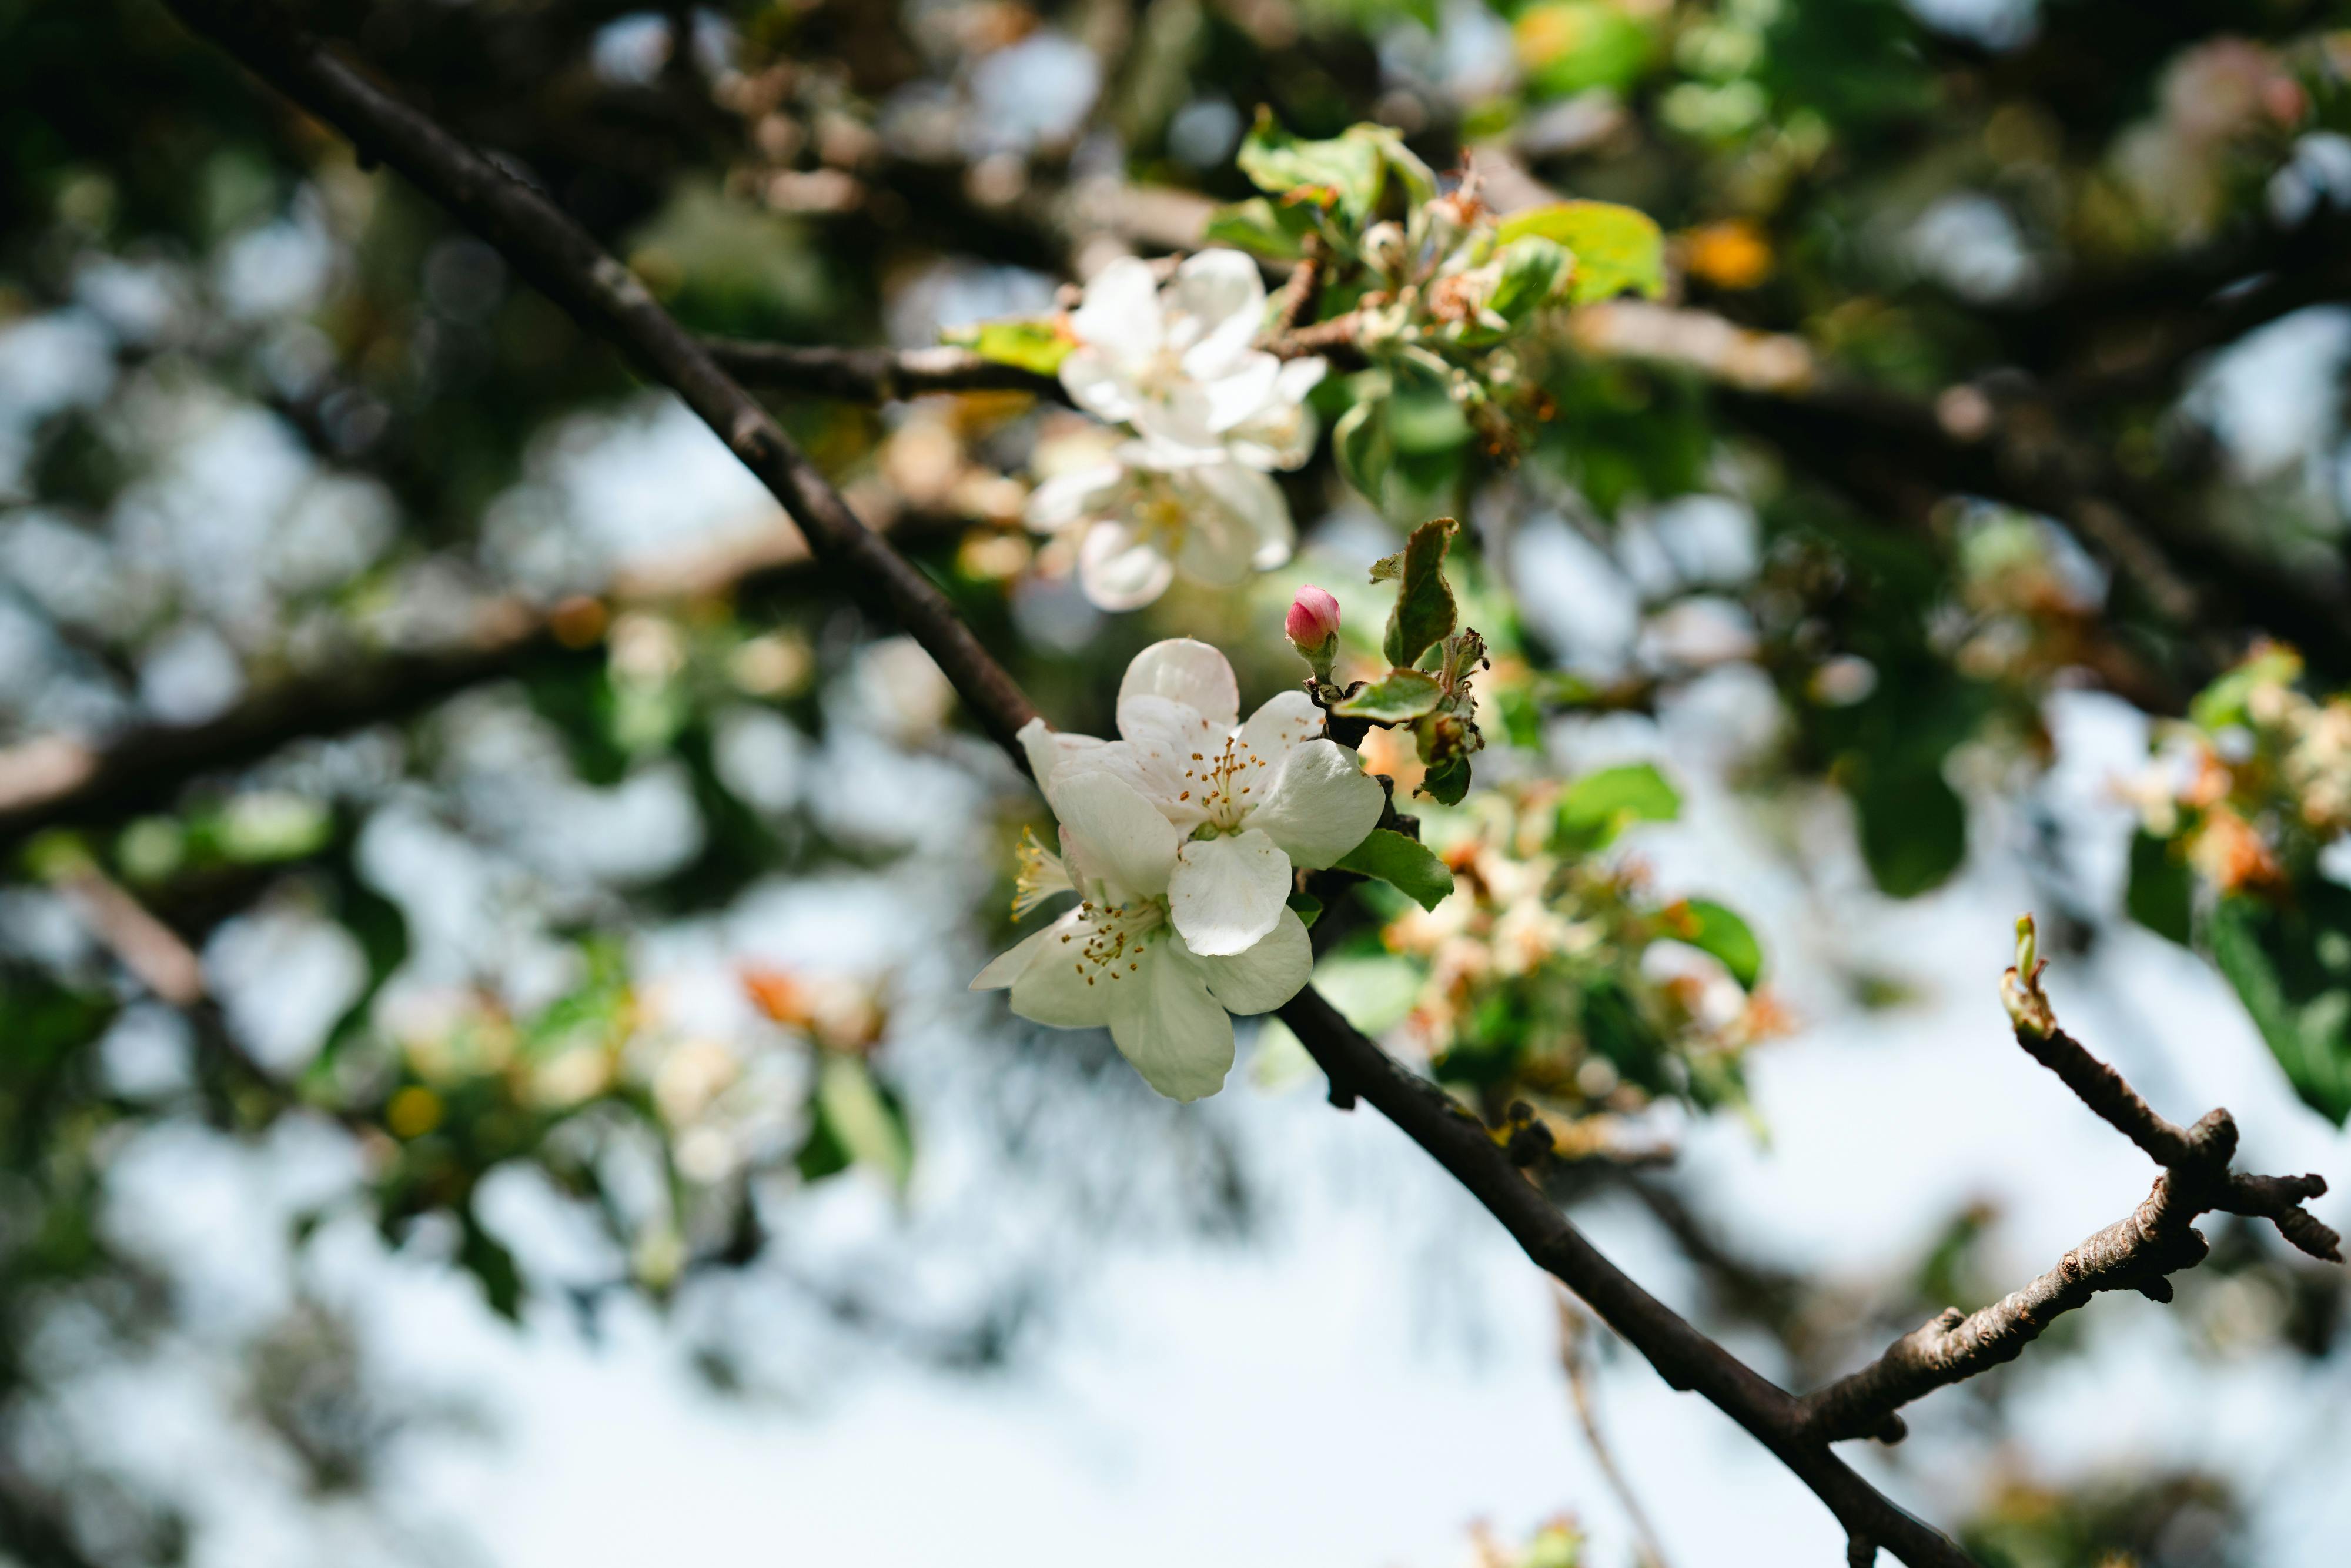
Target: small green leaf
[866,1126]
[1259,226]
[1914,828]
[1534,268]
[2162,894]
[1359,442]
[2222,703]
[1615,248]
[1711,928]
[1037,343]
[1306,907]
[1395,697]
[1599,805]
[1570,46]
[2292,969]
[1347,172]
[1423,418]
[1447,781]
[1404,864]
[1424,612]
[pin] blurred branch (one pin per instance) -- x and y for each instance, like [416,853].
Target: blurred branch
[151,950]
[1890,452]
[2137,1252]
[57,779]
[1574,1333]
[545,247]
[872,375]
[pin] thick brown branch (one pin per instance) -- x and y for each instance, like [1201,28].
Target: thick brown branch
[544,245]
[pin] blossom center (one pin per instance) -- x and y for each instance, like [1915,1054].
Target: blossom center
[1110,939]
[1227,783]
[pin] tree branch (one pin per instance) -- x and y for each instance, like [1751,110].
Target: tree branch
[547,247]
[2137,1252]
[560,259]
[872,375]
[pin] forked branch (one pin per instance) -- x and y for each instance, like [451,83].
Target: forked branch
[2137,1252]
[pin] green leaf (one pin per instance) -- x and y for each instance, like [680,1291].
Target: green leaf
[1404,864]
[1359,442]
[1259,226]
[1306,907]
[1423,418]
[1447,781]
[2222,703]
[1615,248]
[2291,968]
[1574,46]
[1036,343]
[1347,172]
[1599,805]
[867,1128]
[1711,928]
[1534,268]
[1424,612]
[486,1259]
[1394,698]
[2162,892]
[1914,828]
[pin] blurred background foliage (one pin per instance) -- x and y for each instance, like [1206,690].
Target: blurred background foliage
[427,762]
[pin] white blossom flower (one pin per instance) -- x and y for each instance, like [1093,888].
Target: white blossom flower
[1180,364]
[1246,802]
[1179,838]
[1213,414]
[1153,512]
[1116,961]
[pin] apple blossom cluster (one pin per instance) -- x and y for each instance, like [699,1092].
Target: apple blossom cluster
[1207,380]
[2245,849]
[2256,785]
[1555,977]
[1180,840]
[1210,414]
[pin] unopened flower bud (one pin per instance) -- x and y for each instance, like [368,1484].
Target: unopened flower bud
[1313,627]
[1385,249]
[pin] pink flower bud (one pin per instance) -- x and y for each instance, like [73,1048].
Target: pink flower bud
[1313,627]
[1313,618]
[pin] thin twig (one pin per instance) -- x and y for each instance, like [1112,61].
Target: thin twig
[1573,1334]
[2137,1252]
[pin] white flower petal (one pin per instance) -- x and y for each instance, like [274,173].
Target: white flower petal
[1284,721]
[1120,314]
[1099,383]
[1227,893]
[1257,501]
[1221,544]
[1244,393]
[1184,670]
[1223,293]
[1053,988]
[1166,1023]
[1068,499]
[1300,377]
[1125,839]
[1120,568]
[1321,805]
[1050,751]
[1008,965]
[1262,978]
